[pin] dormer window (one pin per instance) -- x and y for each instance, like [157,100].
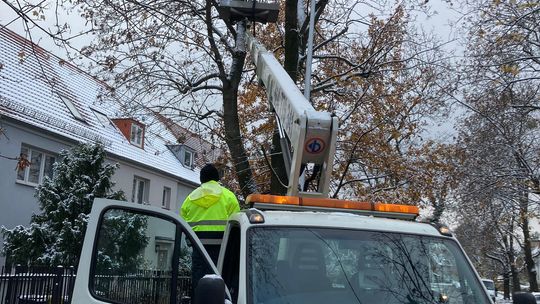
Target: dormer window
[132,130]
[188,158]
[184,154]
[136,135]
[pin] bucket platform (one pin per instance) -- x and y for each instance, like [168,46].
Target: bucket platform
[265,11]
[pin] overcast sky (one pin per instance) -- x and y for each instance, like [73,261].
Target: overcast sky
[439,23]
[16,24]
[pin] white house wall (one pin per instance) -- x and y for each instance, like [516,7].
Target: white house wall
[183,192]
[124,180]
[18,201]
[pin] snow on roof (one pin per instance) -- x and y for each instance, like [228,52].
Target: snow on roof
[34,86]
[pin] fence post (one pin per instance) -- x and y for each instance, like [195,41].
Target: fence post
[3,282]
[11,293]
[155,287]
[70,278]
[57,286]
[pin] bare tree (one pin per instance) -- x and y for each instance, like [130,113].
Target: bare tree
[500,84]
[504,39]
[499,143]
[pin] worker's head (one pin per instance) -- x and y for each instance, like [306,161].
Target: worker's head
[208,173]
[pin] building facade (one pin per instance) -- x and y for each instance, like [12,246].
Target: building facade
[47,105]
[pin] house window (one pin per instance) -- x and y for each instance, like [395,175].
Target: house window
[166,200]
[188,158]
[71,107]
[102,118]
[162,259]
[41,165]
[141,187]
[136,135]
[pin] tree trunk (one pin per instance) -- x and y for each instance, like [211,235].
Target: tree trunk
[234,141]
[513,269]
[439,204]
[524,222]
[291,66]
[231,121]
[529,261]
[506,285]
[515,278]
[291,39]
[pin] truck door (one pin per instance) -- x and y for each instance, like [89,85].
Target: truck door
[138,254]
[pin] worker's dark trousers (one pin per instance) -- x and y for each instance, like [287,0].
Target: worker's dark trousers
[199,266]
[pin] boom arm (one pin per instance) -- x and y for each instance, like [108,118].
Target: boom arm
[312,133]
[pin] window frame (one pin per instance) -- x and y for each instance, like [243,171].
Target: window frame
[72,108]
[231,269]
[180,231]
[166,203]
[162,255]
[101,117]
[135,190]
[191,157]
[182,234]
[134,139]
[41,174]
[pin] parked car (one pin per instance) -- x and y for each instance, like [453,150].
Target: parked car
[490,286]
[537,297]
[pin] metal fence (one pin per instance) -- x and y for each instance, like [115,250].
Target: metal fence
[142,286]
[35,285]
[54,285]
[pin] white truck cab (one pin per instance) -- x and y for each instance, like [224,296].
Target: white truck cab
[306,250]
[296,249]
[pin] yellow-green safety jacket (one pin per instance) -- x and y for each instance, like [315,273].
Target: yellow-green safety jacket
[208,207]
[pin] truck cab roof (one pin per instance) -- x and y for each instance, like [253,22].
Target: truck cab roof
[303,257]
[340,220]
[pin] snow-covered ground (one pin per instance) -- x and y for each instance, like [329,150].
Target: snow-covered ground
[500,299]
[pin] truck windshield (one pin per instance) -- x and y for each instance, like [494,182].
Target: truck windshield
[305,265]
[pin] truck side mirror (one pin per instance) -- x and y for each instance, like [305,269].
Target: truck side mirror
[210,290]
[523,298]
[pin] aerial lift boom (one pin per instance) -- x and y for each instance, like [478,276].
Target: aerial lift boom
[312,133]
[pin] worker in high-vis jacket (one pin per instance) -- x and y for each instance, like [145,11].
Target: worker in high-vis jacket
[206,210]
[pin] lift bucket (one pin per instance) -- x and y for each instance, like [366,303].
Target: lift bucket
[263,11]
